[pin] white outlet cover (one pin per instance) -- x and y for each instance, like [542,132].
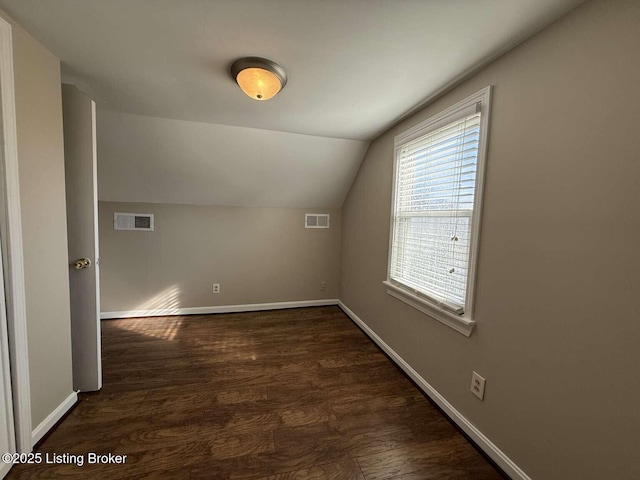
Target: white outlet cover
[477,385]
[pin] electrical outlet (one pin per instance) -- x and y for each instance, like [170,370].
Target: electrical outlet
[477,385]
[216,288]
[323,286]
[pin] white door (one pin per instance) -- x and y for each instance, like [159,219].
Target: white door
[79,119]
[7,432]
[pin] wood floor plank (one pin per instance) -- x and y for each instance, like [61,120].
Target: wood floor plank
[242,395]
[241,446]
[426,460]
[345,470]
[279,395]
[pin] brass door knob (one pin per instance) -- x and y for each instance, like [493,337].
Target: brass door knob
[81,263]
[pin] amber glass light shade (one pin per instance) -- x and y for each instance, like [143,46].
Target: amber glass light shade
[259,78]
[258,83]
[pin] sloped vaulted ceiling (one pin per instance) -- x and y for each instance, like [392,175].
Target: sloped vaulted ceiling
[145,159]
[355,67]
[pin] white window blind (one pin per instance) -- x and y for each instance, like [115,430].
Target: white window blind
[434,203]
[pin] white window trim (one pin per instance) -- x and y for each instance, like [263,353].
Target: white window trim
[461,323]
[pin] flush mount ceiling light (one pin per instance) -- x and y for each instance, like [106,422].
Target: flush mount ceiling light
[259,78]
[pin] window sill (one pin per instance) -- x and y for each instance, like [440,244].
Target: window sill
[459,324]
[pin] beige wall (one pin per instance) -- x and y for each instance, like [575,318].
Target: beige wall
[558,278]
[44,227]
[161,160]
[258,255]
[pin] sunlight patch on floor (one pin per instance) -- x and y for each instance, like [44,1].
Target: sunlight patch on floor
[151,327]
[166,302]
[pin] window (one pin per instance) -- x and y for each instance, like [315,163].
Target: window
[438,176]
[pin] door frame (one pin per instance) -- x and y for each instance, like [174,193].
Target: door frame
[11,230]
[6,400]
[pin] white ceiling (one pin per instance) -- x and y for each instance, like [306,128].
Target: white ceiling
[157,160]
[354,66]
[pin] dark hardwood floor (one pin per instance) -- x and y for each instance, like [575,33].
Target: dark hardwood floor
[279,395]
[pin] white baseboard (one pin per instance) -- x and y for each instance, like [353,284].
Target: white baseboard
[252,307]
[46,425]
[4,469]
[497,455]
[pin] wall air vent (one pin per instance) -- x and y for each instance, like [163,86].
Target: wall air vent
[133,221]
[316,220]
